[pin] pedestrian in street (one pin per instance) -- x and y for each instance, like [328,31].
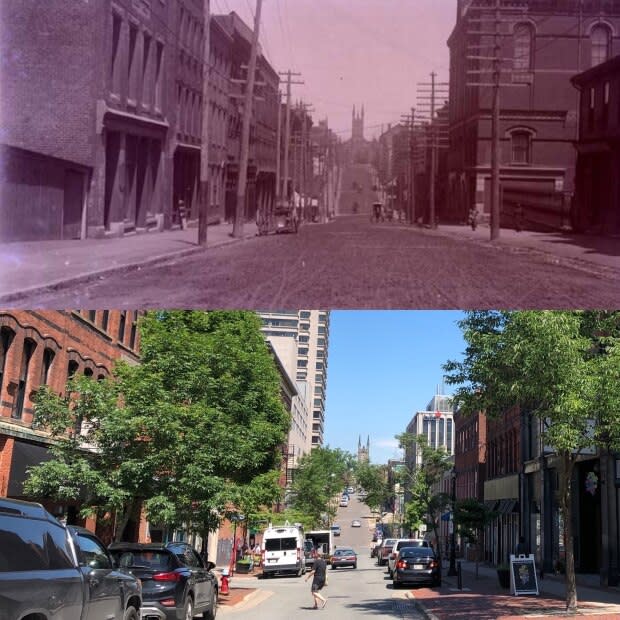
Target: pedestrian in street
[319,578]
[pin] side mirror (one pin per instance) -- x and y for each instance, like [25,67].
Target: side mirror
[210,565]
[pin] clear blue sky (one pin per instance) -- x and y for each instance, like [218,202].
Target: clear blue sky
[383,367]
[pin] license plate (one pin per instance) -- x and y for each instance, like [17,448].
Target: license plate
[418,566]
[270,560]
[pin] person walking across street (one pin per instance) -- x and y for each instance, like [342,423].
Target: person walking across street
[319,577]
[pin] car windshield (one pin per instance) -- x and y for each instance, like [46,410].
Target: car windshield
[154,560]
[389,542]
[416,552]
[345,552]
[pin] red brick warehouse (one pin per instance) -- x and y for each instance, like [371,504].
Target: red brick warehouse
[47,348]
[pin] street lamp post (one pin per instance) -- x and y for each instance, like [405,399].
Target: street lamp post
[452,569]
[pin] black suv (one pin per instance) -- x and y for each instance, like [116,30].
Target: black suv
[176,583]
[52,572]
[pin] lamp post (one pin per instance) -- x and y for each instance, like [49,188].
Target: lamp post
[452,568]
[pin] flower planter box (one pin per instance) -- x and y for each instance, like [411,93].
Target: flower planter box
[244,567]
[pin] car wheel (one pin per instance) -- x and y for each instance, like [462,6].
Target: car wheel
[212,611]
[334,567]
[396,584]
[131,614]
[354,565]
[437,583]
[188,610]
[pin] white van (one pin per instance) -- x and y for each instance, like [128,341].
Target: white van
[283,550]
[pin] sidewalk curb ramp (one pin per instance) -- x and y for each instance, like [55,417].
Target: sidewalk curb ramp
[420,606]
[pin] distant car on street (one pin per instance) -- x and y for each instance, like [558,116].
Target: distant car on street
[344,556]
[356,523]
[417,565]
[335,530]
[344,502]
[384,550]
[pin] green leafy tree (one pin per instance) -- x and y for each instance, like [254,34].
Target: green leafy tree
[472,517]
[319,478]
[373,479]
[423,480]
[560,367]
[191,432]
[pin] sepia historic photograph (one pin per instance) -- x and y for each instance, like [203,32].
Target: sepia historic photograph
[289,153]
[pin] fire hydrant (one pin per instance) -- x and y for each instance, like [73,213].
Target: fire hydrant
[224,588]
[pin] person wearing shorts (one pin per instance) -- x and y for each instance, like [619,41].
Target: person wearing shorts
[318,574]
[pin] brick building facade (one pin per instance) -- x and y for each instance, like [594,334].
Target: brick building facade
[597,205]
[545,42]
[103,111]
[48,348]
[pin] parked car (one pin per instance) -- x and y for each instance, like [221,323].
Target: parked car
[417,565]
[343,556]
[400,544]
[176,582]
[52,572]
[283,548]
[344,502]
[335,530]
[384,550]
[350,490]
[356,523]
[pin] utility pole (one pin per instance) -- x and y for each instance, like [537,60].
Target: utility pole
[245,131]
[436,133]
[407,121]
[303,156]
[203,213]
[287,132]
[278,148]
[492,74]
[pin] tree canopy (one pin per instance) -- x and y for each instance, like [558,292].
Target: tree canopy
[194,429]
[559,366]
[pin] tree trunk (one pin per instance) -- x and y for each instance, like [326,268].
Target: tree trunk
[121,523]
[566,474]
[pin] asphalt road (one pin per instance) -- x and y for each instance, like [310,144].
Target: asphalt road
[364,592]
[348,263]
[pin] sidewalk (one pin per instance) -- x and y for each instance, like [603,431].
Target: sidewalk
[37,265]
[592,252]
[483,599]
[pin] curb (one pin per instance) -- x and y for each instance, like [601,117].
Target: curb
[421,607]
[84,278]
[248,600]
[583,264]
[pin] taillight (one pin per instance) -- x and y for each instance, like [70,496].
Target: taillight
[298,554]
[433,564]
[168,602]
[401,564]
[167,577]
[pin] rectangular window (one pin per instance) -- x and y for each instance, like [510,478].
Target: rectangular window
[132,62]
[147,82]
[304,314]
[591,109]
[105,318]
[520,147]
[159,56]
[302,363]
[304,339]
[133,333]
[302,351]
[121,326]
[319,366]
[115,55]
[605,115]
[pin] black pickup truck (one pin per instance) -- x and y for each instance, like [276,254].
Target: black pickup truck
[52,572]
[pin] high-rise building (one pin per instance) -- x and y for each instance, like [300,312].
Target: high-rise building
[436,423]
[301,340]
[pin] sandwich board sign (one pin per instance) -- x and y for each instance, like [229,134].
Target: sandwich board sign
[523,578]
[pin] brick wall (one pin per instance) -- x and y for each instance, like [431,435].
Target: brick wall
[72,337]
[48,54]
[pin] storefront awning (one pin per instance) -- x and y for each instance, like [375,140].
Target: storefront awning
[507,506]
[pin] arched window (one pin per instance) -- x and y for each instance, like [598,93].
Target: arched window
[601,43]
[48,358]
[521,147]
[6,338]
[523,39]
[27,353]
